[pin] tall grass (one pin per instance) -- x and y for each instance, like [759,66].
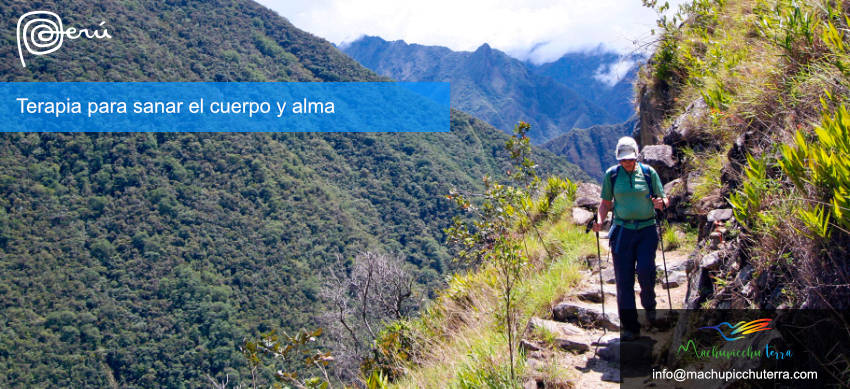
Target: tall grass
[670,237]
[463,346]
[708,165]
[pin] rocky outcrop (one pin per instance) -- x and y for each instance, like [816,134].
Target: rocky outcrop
[678,193]
[719,215]
[700,283]
[587,195]
[651,109]
[737,157]
[581,216]
[594,295]
[661,158]
[686,128]
[673,280]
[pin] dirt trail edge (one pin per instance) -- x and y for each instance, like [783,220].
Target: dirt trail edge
[583,346]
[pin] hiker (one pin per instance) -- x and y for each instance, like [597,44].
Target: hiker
[633,238]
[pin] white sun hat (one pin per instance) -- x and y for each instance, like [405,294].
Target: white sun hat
[627,148]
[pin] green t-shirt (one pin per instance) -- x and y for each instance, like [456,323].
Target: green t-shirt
[631,196]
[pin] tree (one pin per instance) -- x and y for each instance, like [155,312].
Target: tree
[376,289]
[502,217]
[288,349]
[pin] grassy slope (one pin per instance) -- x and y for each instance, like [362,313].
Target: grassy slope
[145,259]
[766,69]
[762,83]
[458,340]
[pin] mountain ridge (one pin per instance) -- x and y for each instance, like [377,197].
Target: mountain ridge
[592,148]
[487,83]
[143,260]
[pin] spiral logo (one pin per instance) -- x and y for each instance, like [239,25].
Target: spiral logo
[40,32]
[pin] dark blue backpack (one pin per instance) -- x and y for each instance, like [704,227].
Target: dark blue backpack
[646,175]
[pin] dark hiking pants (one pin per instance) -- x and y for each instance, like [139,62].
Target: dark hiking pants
[633,250]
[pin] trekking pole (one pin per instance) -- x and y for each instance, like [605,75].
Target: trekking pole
[601,287]
[663,258]
[599,258]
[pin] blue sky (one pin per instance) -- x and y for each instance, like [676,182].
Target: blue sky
[537,30]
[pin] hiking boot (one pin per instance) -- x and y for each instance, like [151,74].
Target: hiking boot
[628,336]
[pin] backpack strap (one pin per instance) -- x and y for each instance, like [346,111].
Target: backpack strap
[647,175]
[613,178]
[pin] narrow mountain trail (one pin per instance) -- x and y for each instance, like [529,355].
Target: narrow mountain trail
[582,349]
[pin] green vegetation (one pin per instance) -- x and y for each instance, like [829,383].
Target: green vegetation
[459,329]
[707,165]
[521,253]
[149,257]
[145,260]
[278,349]
[670,237]
[821,169]
[813,206]
[774,77]
[490,85]
[483,370]
[503,213]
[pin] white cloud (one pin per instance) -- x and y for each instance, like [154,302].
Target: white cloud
[538,30]
[612,73]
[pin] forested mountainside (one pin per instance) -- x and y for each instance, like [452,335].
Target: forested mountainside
[744,105]
[605,78]
[592,149]
[144,260]
[501,90]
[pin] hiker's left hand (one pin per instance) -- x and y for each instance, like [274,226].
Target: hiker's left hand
[659,202]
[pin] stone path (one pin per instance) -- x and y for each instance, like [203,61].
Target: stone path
[586,343]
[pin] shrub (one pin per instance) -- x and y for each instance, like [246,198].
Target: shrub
[671,238]
[709,165]
[485,371]
[821,169]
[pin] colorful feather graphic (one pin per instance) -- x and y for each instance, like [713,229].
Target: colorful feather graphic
[742,328]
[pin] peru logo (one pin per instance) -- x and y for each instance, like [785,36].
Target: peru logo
[42,32]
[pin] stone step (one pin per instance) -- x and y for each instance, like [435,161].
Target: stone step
[555,327]
[574,343]
[677,278]
[585,316]
[614,350]
[671,265]
[608,276]
[528,346]
[567,336]
[593,295]
[611,375]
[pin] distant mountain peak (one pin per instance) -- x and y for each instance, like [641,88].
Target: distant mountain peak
[502,90]
[485,48]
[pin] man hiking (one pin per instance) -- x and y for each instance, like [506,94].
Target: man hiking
[634,191]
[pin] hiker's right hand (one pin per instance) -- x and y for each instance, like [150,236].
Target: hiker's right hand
[596,227]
